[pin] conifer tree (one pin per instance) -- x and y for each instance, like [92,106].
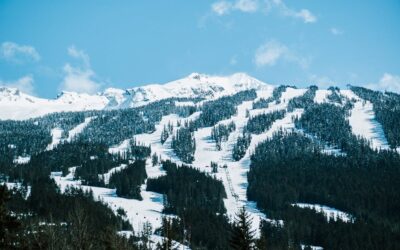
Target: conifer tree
[8,224]
[242,235]
[166,227]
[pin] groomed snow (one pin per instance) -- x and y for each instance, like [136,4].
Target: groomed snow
[363,123]
[328,212]
[138,212]
[106,177]
[183,104]
[78,129]
[321,95]
[56,134]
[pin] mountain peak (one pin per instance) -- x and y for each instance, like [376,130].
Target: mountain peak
[9,91]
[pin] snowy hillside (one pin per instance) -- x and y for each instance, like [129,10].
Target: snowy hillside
[278,152]
[16,105]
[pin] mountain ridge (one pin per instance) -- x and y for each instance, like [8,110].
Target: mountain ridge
[16,105]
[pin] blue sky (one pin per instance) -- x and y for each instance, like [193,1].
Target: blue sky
[86,46]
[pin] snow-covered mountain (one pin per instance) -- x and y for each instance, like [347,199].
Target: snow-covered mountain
[19,106]
[16,105]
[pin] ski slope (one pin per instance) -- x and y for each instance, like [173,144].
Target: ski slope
[78,129]
[329,212]
[56,134]
[138,212]
[363,123]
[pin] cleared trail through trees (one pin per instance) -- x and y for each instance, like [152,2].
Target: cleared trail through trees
[230,186]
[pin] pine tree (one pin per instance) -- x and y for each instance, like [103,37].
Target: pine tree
[242,235]
[145,235]
[166,227]
[8,224]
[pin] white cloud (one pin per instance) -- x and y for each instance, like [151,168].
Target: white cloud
[79,79]
[336,31]
[388,82]
[24,84]
[221,7]
[246,5]
[304,14]
[18,53]
[225,7]
[322,81]
[79,54]
[271,52]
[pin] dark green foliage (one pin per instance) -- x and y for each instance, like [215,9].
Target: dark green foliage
[241,145]
[328,122]
[184,144]
[222,108]
[9,225]
[167,231]
[335,96]
[72,220]
[263,122]
[187,187]
[114,126]
[289,168]
[387,111]
[303,101]
[63,120]
[14,137]
[221,133]
[198,201]
[242,237]
[128,181]
[167,130]
[137,151]
[93,159]
[276,95]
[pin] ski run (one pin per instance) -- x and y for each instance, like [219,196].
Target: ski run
[234,176]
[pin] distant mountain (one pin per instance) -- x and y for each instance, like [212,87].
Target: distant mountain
[19,106]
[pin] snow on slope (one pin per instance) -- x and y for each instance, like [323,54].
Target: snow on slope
[321,95]
[363,123]
[22,160]
[195,85]
[16,105]
[56,134]
[78,129]
[286,96]
[138,212]
[328,212]
[106,177]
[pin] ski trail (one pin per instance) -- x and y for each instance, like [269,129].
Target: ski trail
[363,123]
[78,129]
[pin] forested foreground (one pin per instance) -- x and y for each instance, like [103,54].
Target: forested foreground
[289,168]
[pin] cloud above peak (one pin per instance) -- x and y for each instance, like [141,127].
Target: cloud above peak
[269,53]
[388,82]
[81,79]
[24,84]
[17,53]
[79,54]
